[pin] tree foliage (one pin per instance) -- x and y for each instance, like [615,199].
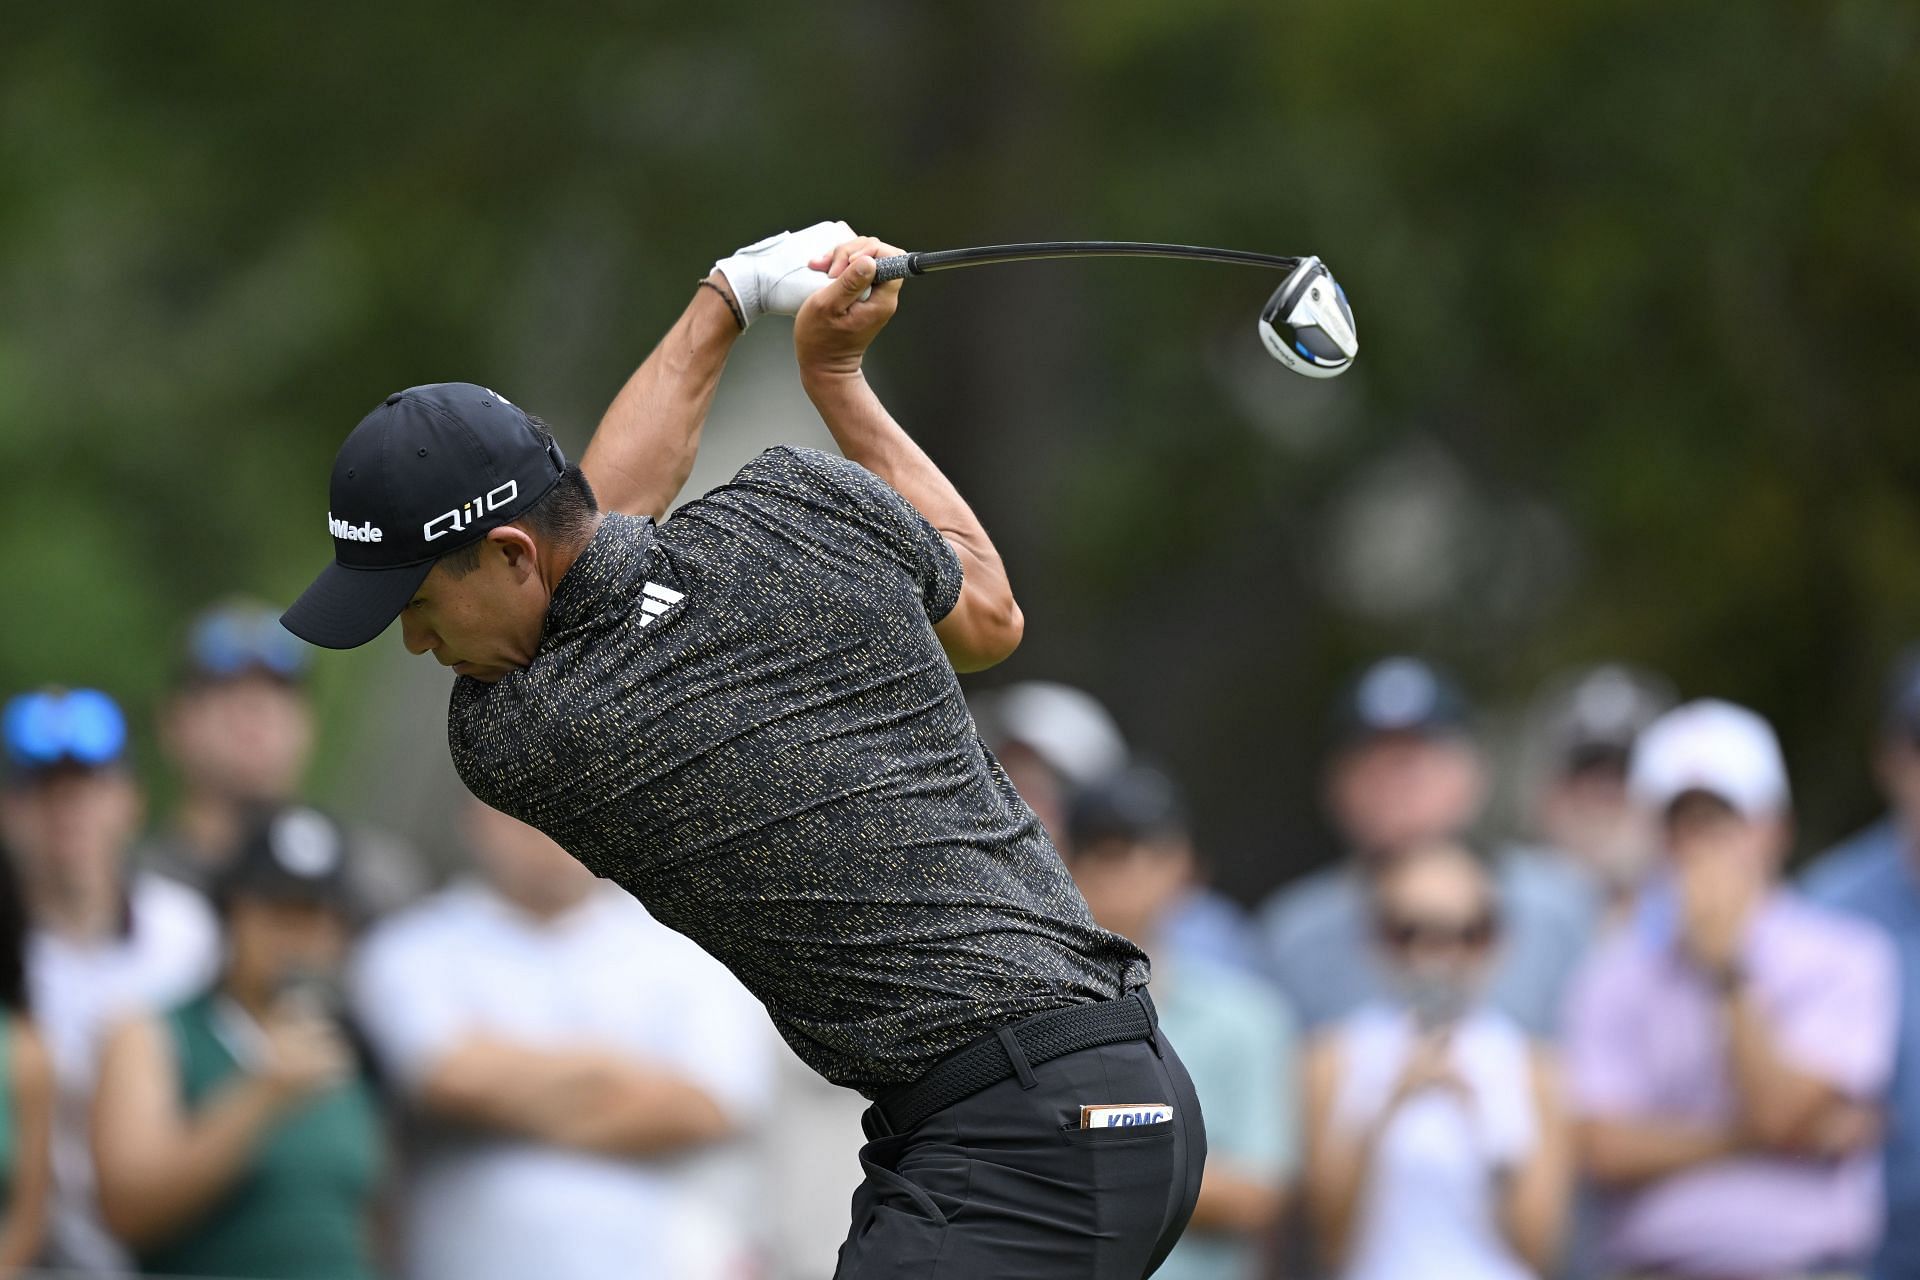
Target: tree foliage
[1636,286]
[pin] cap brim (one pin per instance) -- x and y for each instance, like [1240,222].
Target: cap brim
[347,607]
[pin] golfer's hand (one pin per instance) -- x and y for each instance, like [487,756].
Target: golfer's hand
[774,276]
[837,324]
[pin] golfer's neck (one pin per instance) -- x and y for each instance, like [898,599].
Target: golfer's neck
[563,558]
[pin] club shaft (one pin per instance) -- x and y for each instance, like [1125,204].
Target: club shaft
[918,264]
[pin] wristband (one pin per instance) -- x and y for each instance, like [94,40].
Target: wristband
[739,317]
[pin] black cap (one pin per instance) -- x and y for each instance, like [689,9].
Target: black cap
[1133,803]
[1593,718]
[293,854]
[1402,695]
[430,470]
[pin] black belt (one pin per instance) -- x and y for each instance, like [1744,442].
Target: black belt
[1041,1038]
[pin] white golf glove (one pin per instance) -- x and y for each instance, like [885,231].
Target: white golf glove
[771,276]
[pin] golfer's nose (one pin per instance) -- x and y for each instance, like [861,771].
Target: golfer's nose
[418,637]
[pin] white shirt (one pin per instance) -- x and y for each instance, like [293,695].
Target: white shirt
[168,953]
[607,975]
[1429,1206]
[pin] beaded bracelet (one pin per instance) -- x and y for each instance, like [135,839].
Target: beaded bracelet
[739,316]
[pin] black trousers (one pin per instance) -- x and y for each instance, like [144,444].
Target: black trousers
[1006,1185]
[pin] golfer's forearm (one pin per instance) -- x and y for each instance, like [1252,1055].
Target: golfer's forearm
[643,450]
[987,625]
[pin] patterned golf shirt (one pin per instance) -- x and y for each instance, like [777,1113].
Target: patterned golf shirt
[744,718]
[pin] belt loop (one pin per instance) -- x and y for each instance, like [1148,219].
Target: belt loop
[874,1123]
[1153,1019]
[1022,1069]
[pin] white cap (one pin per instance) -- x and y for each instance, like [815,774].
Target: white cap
[1715,747]
[1064,726]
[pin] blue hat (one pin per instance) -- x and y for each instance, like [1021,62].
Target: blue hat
[242,638]
[48,728]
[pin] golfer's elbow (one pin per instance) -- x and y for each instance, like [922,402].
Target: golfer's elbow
[982,631]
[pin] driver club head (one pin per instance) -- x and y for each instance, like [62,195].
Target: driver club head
[1307,324]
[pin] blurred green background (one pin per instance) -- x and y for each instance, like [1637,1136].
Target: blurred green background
[1636,283]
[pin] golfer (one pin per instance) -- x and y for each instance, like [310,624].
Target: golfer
[748,717]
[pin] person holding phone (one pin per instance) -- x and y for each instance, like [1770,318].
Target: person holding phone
[237,1135]
[1437,1142]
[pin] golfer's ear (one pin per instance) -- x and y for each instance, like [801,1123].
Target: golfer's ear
[517,547]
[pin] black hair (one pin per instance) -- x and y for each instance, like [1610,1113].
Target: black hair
[564,514]
[13,941]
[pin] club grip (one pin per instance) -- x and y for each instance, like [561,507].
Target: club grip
[897,267]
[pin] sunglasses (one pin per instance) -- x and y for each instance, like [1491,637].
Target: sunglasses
[231,642]
[76,726]
[1404,933]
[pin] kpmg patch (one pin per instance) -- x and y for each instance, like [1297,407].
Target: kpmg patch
[1119,1115]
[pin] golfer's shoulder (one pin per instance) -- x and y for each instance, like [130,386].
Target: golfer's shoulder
[812,469]
[790,485]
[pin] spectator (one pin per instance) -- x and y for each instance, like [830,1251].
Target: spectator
[1876,876]
[238,730]
[1132,858]
[1407,772]
[1727,1051]
[1052,740]
[26,1097]
[1439,1143]
[579,1072]
[103,943]
[1584,736]
[237,1136]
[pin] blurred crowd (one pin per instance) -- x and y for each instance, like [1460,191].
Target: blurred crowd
[247,1038]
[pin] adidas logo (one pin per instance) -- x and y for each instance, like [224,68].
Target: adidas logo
[656,600]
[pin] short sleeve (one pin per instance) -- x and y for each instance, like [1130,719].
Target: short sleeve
[1842,1027]
[862,519]
[1601,1028]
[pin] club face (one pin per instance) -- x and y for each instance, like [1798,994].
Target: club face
[1307,324]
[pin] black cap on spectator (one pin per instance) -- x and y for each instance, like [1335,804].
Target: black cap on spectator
[1901,717]
[1594,720]
[1402,695]
[1134,803]
[295,855]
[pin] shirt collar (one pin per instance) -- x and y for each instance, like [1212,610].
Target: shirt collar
[610,557]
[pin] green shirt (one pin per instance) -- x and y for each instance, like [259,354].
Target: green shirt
[299,1210]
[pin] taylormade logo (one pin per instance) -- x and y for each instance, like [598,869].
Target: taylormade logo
[352,532]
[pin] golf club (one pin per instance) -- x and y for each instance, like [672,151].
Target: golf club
[1307,324]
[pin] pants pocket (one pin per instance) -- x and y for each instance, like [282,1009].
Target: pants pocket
[1162,1131]
[880,1160]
